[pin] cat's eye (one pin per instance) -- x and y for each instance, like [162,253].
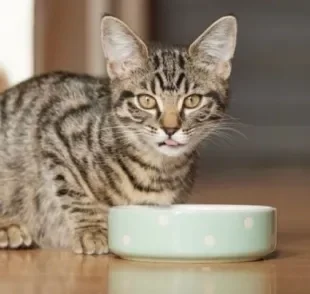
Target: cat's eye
[192,101]
[147,102]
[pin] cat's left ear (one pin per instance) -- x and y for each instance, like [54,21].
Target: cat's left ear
[124,51]
[215,47]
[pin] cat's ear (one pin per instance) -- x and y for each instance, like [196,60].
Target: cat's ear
[123,49]
[215,47]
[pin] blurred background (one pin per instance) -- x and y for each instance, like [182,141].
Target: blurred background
[270,78]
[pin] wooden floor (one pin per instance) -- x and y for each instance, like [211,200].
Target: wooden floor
[288,271]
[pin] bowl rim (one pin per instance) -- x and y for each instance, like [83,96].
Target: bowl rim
[192,208]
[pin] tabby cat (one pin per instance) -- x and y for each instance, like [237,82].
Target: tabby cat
[73,145]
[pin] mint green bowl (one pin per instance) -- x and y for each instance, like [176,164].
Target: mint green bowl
[192,233]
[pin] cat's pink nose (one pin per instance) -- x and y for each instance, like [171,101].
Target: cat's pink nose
[170,131]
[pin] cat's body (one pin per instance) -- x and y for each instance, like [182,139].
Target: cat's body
[74,145]
[53,132]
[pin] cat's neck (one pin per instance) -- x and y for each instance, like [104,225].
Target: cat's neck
[162,161]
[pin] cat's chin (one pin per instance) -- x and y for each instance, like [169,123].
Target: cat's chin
[172,151]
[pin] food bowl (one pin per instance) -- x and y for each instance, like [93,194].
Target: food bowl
[192,233]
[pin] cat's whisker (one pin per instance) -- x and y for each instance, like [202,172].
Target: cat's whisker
[232,130]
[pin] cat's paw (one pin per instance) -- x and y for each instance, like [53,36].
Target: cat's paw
[14,236]
[91,242]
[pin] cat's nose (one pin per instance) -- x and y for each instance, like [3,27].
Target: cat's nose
[170,131]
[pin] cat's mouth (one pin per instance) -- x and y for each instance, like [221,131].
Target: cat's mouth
[170,143]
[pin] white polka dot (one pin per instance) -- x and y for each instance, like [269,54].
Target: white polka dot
[209,241]
[126,240]
[163,220]
[248,223]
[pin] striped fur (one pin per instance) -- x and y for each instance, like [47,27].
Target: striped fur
[73,145]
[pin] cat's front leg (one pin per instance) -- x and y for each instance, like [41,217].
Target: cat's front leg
[90,241]
[89,225]
[13,235]
[88,221]
[87,218]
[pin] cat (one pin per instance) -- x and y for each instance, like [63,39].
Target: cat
[73,145]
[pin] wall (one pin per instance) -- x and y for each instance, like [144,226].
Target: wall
[16,37]
[67,33]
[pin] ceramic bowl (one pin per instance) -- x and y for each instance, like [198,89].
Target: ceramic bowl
[193,233]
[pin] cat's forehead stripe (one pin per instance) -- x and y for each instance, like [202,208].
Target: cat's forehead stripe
[169,65]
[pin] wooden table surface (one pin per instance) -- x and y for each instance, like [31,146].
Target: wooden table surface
[287,271]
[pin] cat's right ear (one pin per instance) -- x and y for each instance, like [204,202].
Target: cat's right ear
[124,51]
[215,47]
